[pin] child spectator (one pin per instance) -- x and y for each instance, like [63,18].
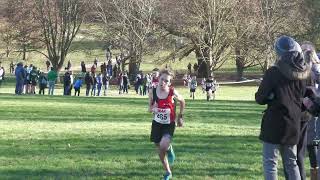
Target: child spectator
[77,86]
[42,83]
[34,76]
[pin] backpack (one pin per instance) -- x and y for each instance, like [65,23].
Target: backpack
[43,81]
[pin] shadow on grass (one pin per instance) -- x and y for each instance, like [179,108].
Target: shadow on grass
[134,157]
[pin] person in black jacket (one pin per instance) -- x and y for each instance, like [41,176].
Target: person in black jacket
[282,89]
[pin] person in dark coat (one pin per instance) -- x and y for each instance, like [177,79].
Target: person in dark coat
[89,82]
[282,89]
[20,76]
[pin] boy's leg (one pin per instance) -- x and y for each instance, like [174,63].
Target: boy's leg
[162,150]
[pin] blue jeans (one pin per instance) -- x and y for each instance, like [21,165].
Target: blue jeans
[289,158]
[51,87]
[19,87]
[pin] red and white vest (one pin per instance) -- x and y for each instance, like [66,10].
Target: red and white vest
[164,112]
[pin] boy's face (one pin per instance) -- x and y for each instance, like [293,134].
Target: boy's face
[164,81]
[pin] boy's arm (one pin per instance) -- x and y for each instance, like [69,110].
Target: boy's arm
[182,106]
[181,101]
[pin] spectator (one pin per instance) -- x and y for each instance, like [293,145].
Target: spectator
[115,71]
[109,68]
[2,73]
[11,67]
[103,68]
[68,68]
[195,68]
[120,82]
[93,69]
[108,54]
[67,83]
[42,83]
[20,76]
[189,68]
[282,89]
[52,77]
[138,84]
[99,83]
[77,86]
[94,85]
[105,83]
[313,124]
[48,64]
[89,82]
[95,61]
[125,83]
[34,77]
[83,67]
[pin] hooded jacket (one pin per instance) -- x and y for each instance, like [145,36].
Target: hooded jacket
[282,89]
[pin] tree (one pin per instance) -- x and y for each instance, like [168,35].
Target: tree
[275,17]
[310,11]
[245,36]
[59,21]
[130,23]
[21,23]
[207,26]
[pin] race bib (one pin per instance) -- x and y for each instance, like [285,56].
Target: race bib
[162,116]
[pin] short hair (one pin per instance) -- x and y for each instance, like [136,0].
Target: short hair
[167,72]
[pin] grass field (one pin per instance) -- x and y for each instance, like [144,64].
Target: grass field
[57,137]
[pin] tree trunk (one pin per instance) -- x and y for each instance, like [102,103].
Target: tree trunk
[239,64]
[204,69]
[24,52]
[134,66]
[7,52]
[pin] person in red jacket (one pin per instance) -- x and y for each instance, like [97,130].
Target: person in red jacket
[162,105]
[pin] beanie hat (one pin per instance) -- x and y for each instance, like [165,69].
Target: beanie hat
[285,44]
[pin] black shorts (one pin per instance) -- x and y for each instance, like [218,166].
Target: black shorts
[192,90]
[158,130]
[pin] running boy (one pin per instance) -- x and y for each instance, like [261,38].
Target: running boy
[162,105]
[193,86]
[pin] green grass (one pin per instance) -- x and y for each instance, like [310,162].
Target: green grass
[57,137]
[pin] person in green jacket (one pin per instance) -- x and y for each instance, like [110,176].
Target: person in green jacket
[52,77]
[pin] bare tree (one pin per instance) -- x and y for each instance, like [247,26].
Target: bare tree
[275,17]
[20,27]
[310,14]
[59,21]
[207,26]
[7,36]
[130,23]
[245,36]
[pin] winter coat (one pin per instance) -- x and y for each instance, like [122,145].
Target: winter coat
[282,89]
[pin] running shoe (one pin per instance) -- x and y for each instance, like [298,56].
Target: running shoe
[167,176]
[171,155]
